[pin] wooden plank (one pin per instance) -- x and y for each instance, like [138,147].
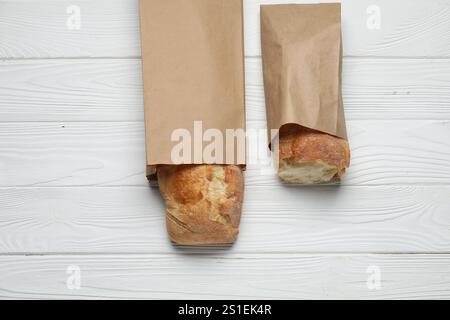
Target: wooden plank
[39,29]
[31,29]
[113,154]
[407,27]
[71,90]
[376,89]
[279,219]
[387,153]
[177,276]
[111,90]
[58,154]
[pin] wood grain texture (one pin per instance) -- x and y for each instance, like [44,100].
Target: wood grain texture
[113,154]
[55,154]
[408,27]
[227,276]
[385,89]
[387,153]
[275,220]
[72,153]
[31,29]
[38,29]
[71,90]
[111,89]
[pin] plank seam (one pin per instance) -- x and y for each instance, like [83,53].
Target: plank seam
[248,120]
[246,57]
[219,253]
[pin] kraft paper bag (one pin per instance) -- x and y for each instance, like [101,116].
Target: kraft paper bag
[193,70]
[302,64]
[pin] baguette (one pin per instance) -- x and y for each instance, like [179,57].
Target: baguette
[204,202]
[311,157]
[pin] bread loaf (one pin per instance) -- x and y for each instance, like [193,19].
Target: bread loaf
[204,202]
[311,157]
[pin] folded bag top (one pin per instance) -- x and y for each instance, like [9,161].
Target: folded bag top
[302,59]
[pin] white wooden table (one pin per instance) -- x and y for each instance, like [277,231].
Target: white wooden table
[73,190]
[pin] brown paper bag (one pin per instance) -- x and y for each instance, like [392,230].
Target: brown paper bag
[302,59]
[193,70]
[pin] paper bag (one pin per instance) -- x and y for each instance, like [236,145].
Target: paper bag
[302,62]
[193,72]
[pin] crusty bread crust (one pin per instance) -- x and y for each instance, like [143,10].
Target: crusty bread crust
[204,202]
[311,157]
